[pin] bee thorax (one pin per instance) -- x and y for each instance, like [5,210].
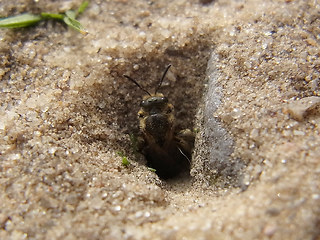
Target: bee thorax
[159,127]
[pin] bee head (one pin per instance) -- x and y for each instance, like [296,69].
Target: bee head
[154,104]
[156,116]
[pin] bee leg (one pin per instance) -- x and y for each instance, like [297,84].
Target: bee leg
[185,140]
[140,144]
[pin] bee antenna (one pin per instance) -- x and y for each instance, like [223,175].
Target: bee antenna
[135,82]
[163,76]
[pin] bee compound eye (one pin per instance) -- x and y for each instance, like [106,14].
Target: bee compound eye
[164,99]
[142,103]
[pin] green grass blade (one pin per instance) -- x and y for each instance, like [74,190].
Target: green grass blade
[125,161]
[71,14]
[23,20]
[134,143]
[152,169]
[52,15]
[75,25]
[70,20]
[82,7]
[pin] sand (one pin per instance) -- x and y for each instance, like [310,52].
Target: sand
[244,77]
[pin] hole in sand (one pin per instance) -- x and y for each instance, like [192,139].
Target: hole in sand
[183,86]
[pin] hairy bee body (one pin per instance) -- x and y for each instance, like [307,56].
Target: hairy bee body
[167,151]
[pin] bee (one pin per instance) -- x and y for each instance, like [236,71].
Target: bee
[166,150]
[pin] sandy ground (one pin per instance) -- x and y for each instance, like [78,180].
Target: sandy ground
[245,76]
